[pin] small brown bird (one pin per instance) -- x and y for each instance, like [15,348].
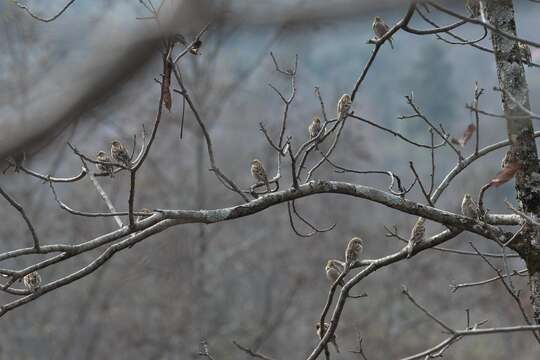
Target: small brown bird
[119,153]
[258,172]
[332,338]
[469,207]
[333,270]
[417,235]
[32,281]
[314,127]
[525,53]
[146,212]
[353,251]
[473,7]
[343,106]
[380,29]
[104,168]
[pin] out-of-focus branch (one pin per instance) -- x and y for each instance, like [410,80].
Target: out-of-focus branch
[52,18]
[20,209]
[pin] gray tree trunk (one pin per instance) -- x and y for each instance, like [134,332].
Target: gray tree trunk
[515,99]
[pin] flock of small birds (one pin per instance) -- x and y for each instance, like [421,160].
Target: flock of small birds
[118,153]
[334,268]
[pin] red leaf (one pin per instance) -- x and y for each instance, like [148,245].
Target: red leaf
[505,174]
[467,135]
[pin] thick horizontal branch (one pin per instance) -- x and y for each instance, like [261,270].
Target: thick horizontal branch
[335,187]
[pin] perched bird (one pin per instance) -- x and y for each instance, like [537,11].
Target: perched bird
[473,7]
[333,270]
[119,153]
[104,168]
[314,128]
[525,53]
[343,106]
[258,172]
[146,212]
[469,207]
[380,29]
[353,251]
[332,338]
[417,235]
[32,281]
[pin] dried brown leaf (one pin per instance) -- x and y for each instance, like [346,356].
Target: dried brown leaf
[466,135]
[506,174]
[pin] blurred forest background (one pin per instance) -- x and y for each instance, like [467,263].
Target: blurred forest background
[253,280]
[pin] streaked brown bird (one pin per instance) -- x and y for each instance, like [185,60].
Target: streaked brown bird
[315,127]
[119,153]
[32,281]
[380,29]
[343,106]
[104,168]
[332,338]
[353,251]
[333,270]
[469,207]
[258,172]
[417,235]
[473,7]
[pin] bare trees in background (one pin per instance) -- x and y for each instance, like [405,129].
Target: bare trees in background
[292,173]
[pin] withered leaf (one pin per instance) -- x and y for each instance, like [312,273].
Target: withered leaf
[505,174]
[466,136]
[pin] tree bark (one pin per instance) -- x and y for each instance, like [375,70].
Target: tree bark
[515,101]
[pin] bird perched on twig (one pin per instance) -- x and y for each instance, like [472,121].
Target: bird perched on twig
[333,270]
[343,106]
[119,153]
[332,338]
[32,281]
[417,235]
[469,207]
[473,7]
[380,29]
[353,251]
[315,127]
[258,172]
[104,168]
